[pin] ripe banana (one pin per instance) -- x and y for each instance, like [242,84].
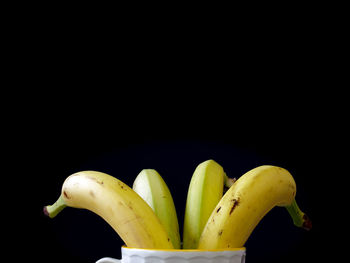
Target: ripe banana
[243,206]
[204,193]
[152,188]
[125,211]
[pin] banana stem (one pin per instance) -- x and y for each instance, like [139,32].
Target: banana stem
[300,219]
[52,210]
[229,181]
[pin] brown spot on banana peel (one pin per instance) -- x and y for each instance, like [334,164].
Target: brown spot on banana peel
[121,186]
[95,180]
[65,194]
[130,205]
[217,211]
[220,232]
[235,204]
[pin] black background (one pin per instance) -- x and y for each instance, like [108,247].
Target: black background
[174,138]
[156,97]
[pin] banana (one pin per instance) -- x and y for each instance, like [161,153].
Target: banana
[243,206]
[204,193]
[125,211]
[152,188]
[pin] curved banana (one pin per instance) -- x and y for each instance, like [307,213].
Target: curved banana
[152,188]
[125,211]
[243,206]
[204,193]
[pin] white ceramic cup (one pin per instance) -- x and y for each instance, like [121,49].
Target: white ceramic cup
[137,255]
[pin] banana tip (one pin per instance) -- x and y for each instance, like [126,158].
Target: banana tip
[307,224]
[45,211]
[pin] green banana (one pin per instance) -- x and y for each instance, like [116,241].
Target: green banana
[153,189]
[204,192]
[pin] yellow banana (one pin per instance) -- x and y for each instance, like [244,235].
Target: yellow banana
[247,201]
[125,211]
[152,188]
[204,193]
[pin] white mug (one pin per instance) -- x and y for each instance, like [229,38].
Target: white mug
[137,255]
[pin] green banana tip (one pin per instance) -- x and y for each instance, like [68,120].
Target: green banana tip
[52,210]
[300,219]
[307,223]
[45,211]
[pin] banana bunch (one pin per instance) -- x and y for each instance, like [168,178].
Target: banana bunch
[145,216]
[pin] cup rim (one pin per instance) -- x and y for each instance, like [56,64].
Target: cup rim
[186,250]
